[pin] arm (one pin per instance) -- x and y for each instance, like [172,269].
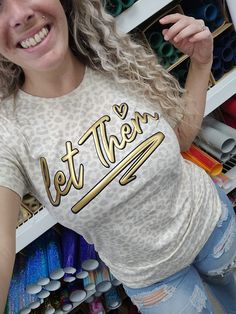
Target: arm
[196,87]
[9,210]
[190,36]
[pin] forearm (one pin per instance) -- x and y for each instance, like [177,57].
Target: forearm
[6,267]
[196,90]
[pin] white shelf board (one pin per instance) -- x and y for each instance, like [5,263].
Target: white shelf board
[223,90]
[232,174]
[138,13]
[33,228]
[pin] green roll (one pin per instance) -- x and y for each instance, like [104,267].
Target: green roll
[165,63]
[174,57]
[155,40]
[165,50]
[114,7]
[127,3]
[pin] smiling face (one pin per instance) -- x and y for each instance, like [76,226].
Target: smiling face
[33,34]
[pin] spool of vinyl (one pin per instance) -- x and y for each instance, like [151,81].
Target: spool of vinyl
[127,3]
[53,285]
[53,250]
[115,282]
[114,7]
[47,307]
[227,54]
[229,120]
[96,306]
[220,126]
[230,107]
[219,20]
[80,277]
[155,39]
[102,278]
[207,12]
[70,249]
[215,138]
[36,266]
[112,298]
[202,159]
[86,251]
[23,311]
[78,296]
[223,157]
[65,300]
[89,282]
[165,50]
[174,57]
[17,287]
[90,266]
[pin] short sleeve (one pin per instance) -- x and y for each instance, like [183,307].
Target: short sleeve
[11,169]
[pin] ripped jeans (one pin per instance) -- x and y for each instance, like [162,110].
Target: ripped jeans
[184,292]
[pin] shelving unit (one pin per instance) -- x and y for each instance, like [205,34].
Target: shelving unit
[33,228]
[127,21]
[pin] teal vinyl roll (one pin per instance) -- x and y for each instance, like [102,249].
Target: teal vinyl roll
[165,50]
[127,3]
[155,40]
[174,57]
[114,7]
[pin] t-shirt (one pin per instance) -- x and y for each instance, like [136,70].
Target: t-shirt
[106,163]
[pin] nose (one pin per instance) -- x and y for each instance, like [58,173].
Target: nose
[19,14]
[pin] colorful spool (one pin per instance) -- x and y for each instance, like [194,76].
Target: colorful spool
[86,251]
[70,250]
[112,298]
[53,250]
[114,7]
[202,159]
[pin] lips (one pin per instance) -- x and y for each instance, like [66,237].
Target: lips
[36,39]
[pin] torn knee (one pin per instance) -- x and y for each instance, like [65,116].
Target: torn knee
[153,297]
[227,240]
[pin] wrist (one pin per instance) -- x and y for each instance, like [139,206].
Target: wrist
[203,67]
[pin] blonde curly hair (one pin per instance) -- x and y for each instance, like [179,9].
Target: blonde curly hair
[94,39]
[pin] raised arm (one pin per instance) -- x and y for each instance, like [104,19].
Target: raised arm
[193,38]
[9,210]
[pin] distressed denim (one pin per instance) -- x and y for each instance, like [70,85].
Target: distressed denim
[184,292]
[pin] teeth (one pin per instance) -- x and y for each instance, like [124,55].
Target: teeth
[36,39]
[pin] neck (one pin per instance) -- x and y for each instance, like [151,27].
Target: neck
[57,82]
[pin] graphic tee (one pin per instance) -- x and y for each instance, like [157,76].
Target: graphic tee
[107,164]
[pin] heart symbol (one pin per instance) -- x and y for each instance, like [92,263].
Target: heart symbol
[121,110]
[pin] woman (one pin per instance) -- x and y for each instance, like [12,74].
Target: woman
[93,126]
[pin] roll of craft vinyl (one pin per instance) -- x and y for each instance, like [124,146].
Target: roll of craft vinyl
[70,252]
[202,159]
[230,106]
[114,7]
[223,157]
[222,127]
[53,250]
[217,139]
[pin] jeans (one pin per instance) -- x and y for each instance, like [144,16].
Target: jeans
[184,292]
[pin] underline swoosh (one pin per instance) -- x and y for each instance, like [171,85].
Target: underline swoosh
[138,156]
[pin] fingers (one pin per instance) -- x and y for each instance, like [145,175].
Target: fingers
[184,27]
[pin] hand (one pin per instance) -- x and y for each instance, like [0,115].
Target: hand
[190,36]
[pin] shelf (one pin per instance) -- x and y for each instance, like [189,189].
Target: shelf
[223,90]
[138,13]
[33,228]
